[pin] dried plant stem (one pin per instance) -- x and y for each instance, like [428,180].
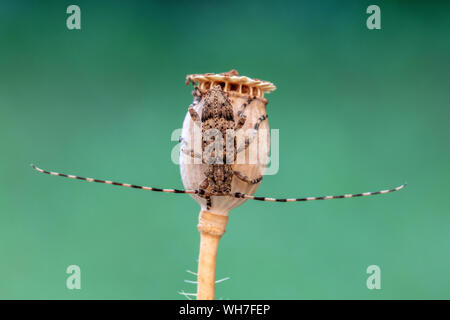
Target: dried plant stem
[211,227]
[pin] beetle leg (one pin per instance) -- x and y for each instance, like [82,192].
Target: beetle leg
[244,178]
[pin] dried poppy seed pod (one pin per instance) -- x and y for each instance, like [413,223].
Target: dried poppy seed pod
[245,95]
[216,96]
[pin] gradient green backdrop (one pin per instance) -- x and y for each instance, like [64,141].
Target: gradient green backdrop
[358,110]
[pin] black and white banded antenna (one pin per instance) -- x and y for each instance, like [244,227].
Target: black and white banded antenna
[233,195]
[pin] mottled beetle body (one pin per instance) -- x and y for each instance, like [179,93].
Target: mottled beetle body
[218,140]
[217,115]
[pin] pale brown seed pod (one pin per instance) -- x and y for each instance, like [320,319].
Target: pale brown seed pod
[240,90]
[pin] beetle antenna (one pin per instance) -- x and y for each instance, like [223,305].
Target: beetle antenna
[246,196]
[113,183]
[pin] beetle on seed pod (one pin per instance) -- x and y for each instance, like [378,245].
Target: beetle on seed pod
[225,143]
[225,139]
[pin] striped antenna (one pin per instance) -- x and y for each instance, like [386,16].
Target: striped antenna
[246,196]
[203,192]
[114,183]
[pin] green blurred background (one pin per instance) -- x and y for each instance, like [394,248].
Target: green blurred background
[358,110]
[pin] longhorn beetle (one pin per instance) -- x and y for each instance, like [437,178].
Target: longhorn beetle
[217,115]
